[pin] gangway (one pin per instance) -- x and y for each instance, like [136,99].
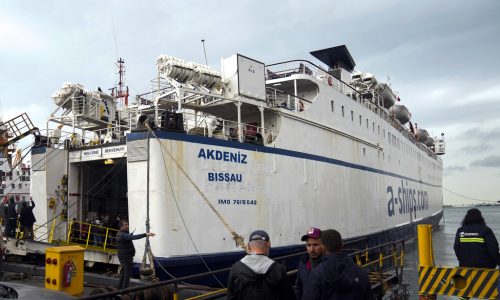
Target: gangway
[46,237]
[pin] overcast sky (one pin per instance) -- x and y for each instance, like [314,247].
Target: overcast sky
[443,57]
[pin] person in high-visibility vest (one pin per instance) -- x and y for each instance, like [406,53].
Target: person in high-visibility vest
[475,243]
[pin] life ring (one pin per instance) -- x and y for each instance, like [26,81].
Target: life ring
[301,106]
[330,81]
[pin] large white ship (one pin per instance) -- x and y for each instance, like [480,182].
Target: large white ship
[280,147]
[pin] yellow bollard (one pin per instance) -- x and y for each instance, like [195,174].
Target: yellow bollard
[425,252]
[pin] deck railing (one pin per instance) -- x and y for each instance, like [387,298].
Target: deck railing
[62,232]
[371,100]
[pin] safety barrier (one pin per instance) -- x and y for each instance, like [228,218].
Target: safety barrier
[87,235]
[462,282]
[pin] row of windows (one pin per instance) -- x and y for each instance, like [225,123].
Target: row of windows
[24,172]
[392,139]
[22,178]
[20,185]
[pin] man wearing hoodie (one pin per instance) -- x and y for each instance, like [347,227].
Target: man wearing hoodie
[337,277]
[256,276]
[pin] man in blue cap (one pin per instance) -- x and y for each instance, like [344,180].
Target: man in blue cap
[256,276]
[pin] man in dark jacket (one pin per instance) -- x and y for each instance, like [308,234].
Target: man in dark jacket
[27,219]
[475,243]
[11,216]
[126,252]
[256,276]
[337,276]
[310,260]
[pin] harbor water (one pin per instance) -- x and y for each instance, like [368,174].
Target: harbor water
[443,239]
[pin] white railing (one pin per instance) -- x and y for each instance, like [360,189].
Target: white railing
[211,126]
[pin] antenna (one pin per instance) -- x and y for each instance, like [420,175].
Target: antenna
[121,91]
[204,51]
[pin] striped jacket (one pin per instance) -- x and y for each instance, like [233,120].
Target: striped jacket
[476,246]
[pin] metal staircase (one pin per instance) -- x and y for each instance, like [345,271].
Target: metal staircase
[15,129]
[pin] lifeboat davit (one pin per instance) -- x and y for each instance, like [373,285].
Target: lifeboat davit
[401,113]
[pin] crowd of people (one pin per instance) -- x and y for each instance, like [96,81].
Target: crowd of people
[327,272]
[22,212]
[95,230]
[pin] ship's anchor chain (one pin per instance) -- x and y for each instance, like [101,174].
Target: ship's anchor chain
[236,237]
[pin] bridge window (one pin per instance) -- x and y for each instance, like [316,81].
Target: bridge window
[342,110]
[332,103]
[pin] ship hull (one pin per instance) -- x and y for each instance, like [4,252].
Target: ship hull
[280,190]
[199,264]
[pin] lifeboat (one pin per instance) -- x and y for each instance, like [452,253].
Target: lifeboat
[66,91]
[429,142]
[387,94]
[422,135]
[401,113]
[369,80]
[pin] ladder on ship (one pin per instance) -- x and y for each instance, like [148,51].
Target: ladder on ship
[15,129]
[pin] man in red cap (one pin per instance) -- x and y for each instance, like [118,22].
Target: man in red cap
[310,260]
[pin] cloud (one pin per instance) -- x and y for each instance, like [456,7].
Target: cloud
[475,149]
[490,161]
[453,169]
[480,134]
[18,37]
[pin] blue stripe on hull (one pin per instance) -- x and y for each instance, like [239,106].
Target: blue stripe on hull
[271,150]
[193,264]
